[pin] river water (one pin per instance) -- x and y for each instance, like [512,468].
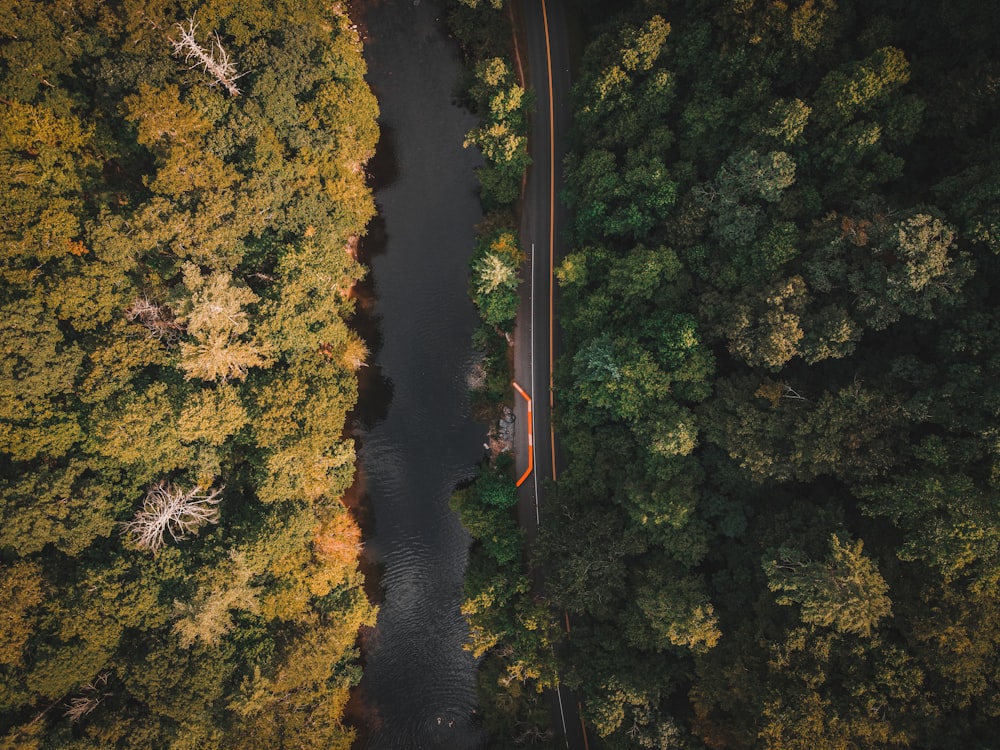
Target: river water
[416,434]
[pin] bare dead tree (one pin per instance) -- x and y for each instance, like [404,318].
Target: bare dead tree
[790,392]
[530,733]
[80,706]
[90,698]
[705,192]
[168,509]
[158,320]
[214,61]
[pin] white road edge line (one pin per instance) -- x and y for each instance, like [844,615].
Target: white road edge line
[562,715]
[531,297]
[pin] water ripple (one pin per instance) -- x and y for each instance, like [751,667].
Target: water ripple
[419,680]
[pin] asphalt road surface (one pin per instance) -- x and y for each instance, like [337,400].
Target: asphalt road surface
[544,219]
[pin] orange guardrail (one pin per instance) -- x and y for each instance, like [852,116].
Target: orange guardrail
[531,437]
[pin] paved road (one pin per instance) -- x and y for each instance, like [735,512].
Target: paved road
[542,226]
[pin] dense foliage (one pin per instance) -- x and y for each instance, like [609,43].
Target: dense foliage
[180,188]
[780,520]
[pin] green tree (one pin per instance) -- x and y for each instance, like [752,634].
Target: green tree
[213,314]
[37,376]
[495,265]
[676,613]
[502,136]
[844,591]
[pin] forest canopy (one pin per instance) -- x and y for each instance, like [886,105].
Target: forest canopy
[182,186]
[779,393]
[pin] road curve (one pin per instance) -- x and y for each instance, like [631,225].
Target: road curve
[543,221]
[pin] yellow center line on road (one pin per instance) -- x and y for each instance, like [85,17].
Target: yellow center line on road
[552,227]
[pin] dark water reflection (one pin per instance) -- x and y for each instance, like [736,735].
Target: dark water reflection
[417,438]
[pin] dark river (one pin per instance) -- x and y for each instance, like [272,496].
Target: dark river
[417,438]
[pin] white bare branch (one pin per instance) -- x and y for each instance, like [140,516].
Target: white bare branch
[790,392]
[92,696]
[157,319]
[80,706]
[214,61]
[168,509]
